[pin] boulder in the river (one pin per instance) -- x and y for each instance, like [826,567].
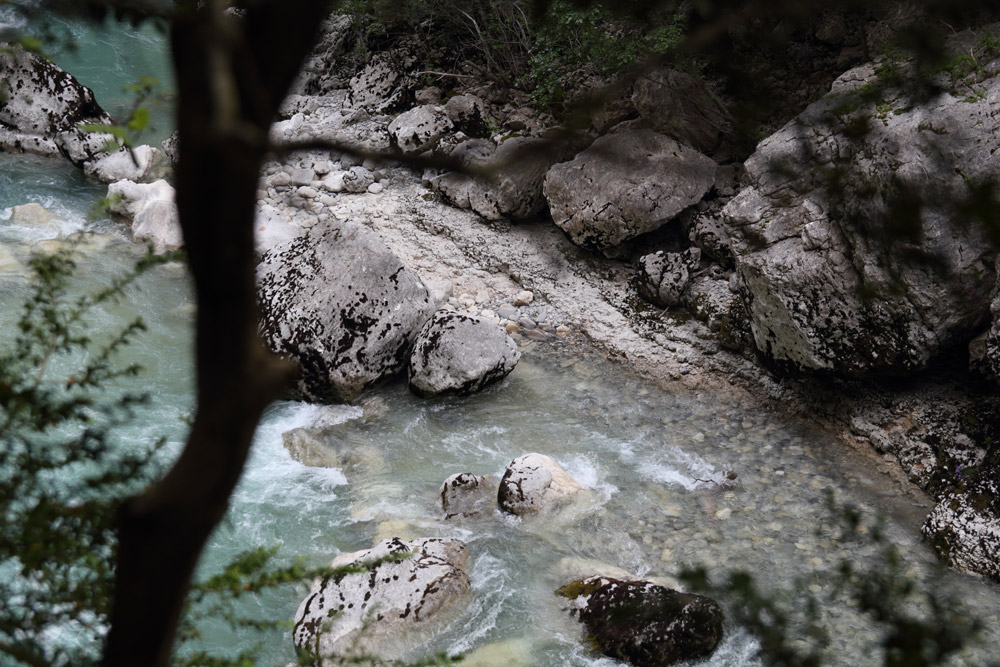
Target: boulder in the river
[456,353]
[406,587]
[627,183]
[30,215]
[465,494]
[42,106]
[341,304]
[643,623]
[141,163]
[852,250]
[533,483]
[419,129]
[151,212]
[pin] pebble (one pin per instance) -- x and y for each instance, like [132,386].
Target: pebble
[512,327]
[507,311]
[279,179]
[698,437]
[488,314]
[375,188]
[724,514]
[672,511]
[562,330]
[527,323]
[523,298]
[307,192]
[535,334]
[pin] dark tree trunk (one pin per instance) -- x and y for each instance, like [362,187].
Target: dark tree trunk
[231,77]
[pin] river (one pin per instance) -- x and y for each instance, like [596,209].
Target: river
[649,459]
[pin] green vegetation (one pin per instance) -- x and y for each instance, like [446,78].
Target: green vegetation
[551,54]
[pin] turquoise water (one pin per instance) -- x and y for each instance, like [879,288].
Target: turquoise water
[639,452]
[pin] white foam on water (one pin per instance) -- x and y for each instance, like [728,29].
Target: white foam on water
[668,465]
[490,592]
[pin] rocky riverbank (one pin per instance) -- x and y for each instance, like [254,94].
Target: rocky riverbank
[755,278]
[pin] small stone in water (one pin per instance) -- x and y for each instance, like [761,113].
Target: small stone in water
[724,514]
[672,511]
[698,437]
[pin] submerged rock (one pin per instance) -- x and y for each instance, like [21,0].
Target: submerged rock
[644,623]
[460,354]
[319,448]
[30,214]
[407,586]
[341,304]
[533,483]
[626,184]
[465,494]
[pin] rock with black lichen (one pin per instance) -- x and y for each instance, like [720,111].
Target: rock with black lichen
[964,527]
[419,129]
[456,353]
[374,612]
[643,623]
[534,483]
[344,307]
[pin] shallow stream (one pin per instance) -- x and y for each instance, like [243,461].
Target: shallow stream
[650,461]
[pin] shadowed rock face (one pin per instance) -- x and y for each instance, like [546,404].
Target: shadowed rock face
[343,306]
[851,247]
[643,623]
[366,612]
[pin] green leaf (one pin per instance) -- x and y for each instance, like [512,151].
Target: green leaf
[139,120]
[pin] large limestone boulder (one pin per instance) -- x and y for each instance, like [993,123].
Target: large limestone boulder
[456,353]
[406,587]
[341,304]
[681,106]
[41,107]
[517,172]
[468,114]
[534,483]
[142,163]
[626,184]
[151,212]
[643,623]
[850,245]
[419,129]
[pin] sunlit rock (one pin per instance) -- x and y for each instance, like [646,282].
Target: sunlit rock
[533,483]
[150,210]
[460,354]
